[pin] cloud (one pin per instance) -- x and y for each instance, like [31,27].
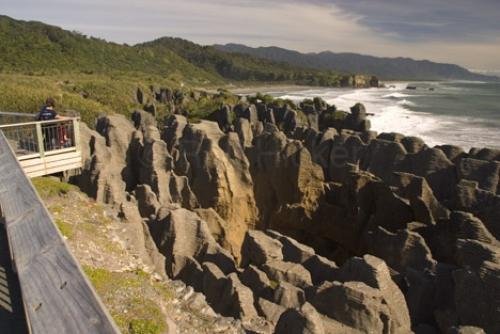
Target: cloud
[428,19]
[463,32]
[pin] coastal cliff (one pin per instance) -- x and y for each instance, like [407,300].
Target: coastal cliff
[299,219]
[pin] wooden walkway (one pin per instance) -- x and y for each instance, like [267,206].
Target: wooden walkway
[43,148]
[56,295]
[12,318]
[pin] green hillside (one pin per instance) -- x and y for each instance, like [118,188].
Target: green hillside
[38,48]
[93,76]
[239,67]
[33,47]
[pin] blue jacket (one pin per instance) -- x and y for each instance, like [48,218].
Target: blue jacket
[46,114]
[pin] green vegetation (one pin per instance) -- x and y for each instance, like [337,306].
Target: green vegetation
[204,106]
[92,95]
[239,67]
[261,97]
[91,76]
[334,115]
[89,95]
[104,280]
[147,326]
[51,186]
[35,48]
[65,228]
[135,314]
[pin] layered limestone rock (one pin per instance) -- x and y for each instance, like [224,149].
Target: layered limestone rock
[429,215]
[157,171]
[401,250]
[382,157]
[258,248]
[478,283]
[375,273]
[106,175]
[305,320]
[181,235]
[425,206]
[218,173]
[287,183]
[483,204]
[354,304]
[485,173]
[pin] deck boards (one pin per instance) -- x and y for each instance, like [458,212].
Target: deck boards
[57,296]
[51,164]
[12,319]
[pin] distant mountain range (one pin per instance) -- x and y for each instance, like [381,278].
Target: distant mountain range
[383,68]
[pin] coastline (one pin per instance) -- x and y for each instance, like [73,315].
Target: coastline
[249,89]
[273,88]
[453,112]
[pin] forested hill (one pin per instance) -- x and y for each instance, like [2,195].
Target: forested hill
[40,48]
[384,68]
[239,67]
[34,47]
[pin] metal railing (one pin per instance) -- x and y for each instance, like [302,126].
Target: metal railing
[39,138]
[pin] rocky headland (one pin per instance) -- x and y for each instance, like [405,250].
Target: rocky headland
[299,219]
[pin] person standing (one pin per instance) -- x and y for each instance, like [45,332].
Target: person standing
[48,113]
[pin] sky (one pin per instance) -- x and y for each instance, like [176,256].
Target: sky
[465,32]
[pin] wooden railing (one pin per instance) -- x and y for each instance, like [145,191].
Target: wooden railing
[57,296]
[16,117]
[43,147]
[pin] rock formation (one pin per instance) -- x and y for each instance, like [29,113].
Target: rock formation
[218,173]
[299,219]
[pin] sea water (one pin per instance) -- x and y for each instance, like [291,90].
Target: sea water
[461,113]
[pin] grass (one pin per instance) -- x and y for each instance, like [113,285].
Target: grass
[65,228]
[51,186]
[93,95]
[88,95]
[133,312]
[146,326]
[104,280]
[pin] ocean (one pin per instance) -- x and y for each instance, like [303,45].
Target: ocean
[466,114]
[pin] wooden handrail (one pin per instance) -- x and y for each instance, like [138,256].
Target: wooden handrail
[18,114]
[53,121]
[57,296]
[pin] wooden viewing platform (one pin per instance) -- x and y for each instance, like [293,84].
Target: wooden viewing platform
[43,288]
[43,147]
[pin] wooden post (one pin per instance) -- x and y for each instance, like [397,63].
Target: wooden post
[39,136]
[76,133]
